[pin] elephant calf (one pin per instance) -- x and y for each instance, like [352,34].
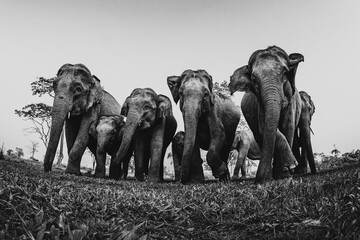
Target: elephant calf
[177,152]
[245,144]
[108,133]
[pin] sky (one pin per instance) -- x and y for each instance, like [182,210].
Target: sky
[130,44]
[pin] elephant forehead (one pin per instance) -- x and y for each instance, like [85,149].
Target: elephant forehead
[194,83]
[104,127]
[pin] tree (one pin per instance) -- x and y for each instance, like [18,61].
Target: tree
[19,152]
[33,148]
[9,152]
[40,113]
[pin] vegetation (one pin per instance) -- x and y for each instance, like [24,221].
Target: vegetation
[37,205]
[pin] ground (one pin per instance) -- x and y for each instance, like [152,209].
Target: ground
[38,205]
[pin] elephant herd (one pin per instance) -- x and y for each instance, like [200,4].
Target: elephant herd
[278,115]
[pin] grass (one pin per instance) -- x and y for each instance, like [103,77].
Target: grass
[37,205]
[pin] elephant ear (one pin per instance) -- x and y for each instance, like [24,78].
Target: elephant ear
[119,121]
[125,107]
[92,130]
[204,74]
[95,94]
[164,107]
[294,60]
[174,84]
[241,81]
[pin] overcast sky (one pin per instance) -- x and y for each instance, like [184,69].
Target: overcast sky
[129,44]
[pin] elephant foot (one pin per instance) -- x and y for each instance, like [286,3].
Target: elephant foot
[300,170]
[153,179]
[235,177]
[99,175]
[286,172]
[222,173]
[73,170]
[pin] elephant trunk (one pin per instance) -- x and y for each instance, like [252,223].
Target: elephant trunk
[272,107]
[61,108]
[191,119]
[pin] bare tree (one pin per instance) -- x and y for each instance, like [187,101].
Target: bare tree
[33,148]
[40,115]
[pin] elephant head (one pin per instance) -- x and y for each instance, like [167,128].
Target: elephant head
[270,76]
[76,91]
[194,91]
[107,131]
[143,108]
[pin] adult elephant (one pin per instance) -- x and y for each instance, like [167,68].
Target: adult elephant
[150,127]
[210,123]
[245,144]
[79,101]
[177,152]
[108,132]
[271,107]
[302,138]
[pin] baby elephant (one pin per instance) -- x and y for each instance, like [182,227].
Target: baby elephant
[245,144]
[177,151]
[108,133]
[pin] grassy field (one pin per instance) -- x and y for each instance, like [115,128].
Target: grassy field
[37,205]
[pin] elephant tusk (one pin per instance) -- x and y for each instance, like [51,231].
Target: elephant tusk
[124,119]
[68,116]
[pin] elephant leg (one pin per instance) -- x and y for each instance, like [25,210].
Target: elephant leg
[125,163]
[81,142]
[224,157]
[196,169]
[72,127]
[284,160]
[176,161]
[141,154]
[241,163]
[169,132]
[156,152]
[213,157]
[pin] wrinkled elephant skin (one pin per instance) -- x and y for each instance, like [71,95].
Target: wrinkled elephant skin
[271,107]
[108,133]
[210,122]
[177,152]
[79,101]
[150,127]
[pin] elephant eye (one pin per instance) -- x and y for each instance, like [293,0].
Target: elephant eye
[147,107]
[78,90]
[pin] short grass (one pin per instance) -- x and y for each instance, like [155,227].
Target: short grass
[37,205]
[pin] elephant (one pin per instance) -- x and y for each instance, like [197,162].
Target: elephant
[79,101]
[271,106]
[150,127]
[108,132]
[302,136]
[210,121]
[177,152]
[245,144]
